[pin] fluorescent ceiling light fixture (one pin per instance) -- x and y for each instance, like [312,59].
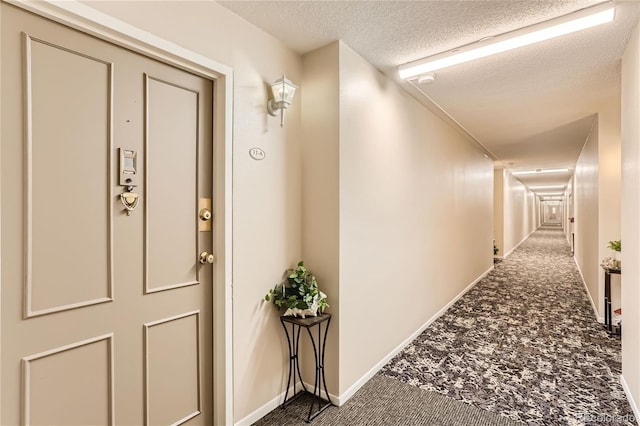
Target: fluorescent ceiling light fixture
[567,24]
[547,187]
[533,172]
[549,193]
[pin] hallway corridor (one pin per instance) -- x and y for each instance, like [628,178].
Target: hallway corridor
[523,343]
[521,347]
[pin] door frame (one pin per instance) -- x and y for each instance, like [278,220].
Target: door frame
[93,22]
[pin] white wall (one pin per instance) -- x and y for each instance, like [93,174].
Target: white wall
[520,213]
[597,202]
[609,184]
[267,194]
[413,217]
[630,223]
[586,228]
[498,210]
[321,189]
[416,207]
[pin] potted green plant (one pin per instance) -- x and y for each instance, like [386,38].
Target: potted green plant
[298,293]
[616,246]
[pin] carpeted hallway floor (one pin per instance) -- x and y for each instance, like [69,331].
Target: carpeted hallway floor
[523,345]
[388,402]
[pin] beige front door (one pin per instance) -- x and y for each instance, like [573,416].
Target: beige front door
[106,316]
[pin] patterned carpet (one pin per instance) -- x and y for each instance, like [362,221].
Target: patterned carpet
[388,402]
[523,343]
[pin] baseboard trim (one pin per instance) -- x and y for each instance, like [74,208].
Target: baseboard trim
[341,399]
[627,392]
[265,409]
[372,372]
[518,245]
[323,394]
[584,283]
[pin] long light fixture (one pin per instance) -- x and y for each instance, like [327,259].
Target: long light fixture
[567,24]
[549,193]
[547,187]
[533,172]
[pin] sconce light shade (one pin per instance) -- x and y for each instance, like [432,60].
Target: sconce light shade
[282,93]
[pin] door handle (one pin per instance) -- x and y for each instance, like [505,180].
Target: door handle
[207,257]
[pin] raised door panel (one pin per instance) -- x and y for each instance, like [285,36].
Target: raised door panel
[171,186]
[68,147]
[172,370]
[71,385]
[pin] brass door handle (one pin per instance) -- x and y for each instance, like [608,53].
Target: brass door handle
[207,257]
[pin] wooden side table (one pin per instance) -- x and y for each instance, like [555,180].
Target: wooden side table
[293,339]
[607,299]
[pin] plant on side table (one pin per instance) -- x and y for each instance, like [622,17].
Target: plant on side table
[298,294]
[613,262]
[615,246]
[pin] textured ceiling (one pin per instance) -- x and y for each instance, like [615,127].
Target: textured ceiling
[530,108]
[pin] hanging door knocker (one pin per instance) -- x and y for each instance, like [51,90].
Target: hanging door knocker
[129,200]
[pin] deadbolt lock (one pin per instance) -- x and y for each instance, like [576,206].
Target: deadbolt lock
[205,214]
[207,257]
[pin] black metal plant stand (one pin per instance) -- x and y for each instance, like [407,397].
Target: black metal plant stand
[607,301]
[297,324]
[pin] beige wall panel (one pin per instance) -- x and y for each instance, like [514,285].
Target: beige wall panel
[171,253]
[587,219]
[498,210]
[172,370]
[415,198]
[519,213]
[630,224]
[67,161]
[609,187]
[54,396]
[320,198]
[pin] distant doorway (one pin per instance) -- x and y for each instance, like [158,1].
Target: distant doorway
[552,213]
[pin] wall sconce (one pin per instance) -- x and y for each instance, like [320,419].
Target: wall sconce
[282,92]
